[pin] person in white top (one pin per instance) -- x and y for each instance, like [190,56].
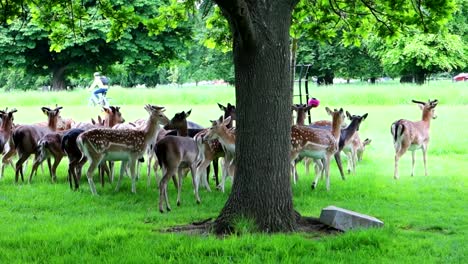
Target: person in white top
[101,83]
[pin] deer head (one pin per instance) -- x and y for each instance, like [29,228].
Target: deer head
[179,121]
[52,116]
[229,110]
[427,108]
[301,110]
[7,118]
[356,118]
[216,129]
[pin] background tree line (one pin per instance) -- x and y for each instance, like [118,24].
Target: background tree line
[35,52]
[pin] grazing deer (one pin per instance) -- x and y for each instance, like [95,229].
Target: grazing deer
[317,143]
[409,135]
[127,145]
[6,129]
[25,139]
[354,151]
[227,138]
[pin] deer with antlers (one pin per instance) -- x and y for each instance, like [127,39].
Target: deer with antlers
[127,145]
[6,129]
[410,135]
[317,143]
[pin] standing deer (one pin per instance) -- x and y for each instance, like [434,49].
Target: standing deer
[25,139]
[6,129]
[317,143]
[355,150]
[409,135]
[227,138]
[126,145]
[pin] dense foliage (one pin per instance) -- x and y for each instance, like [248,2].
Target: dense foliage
[147,42]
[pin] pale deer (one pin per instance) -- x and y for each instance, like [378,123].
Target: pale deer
[317,143]
[127,145]
[354,151]
[227,137]
[25,139]
[6,130]
[409,135]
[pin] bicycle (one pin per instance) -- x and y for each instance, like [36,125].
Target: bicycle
[102,100]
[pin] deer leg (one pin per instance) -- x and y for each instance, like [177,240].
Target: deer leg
[133,164]
[317,175]
[162,186]
[35,165]
[54,167]
[339,163]
[307,162]
[179,185]
[89,174]
[19,167]
[327,172]
[148,170]
[193,170]
[123,166]
[215,171]
[49,166]
[412,162]
[163,198]
[424,151]
[395,174]
[224,174]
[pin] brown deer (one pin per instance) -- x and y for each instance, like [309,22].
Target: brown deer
[175,153]
[25,139]
[6,129]
[227,138]
[127,145]
[317,143]
[409,135]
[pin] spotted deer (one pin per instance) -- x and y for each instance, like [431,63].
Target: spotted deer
[317,143]
[26,137]
[227,138]
[127,145]
[413,135]
[6,130]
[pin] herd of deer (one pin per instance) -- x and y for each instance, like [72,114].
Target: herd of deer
[180,145]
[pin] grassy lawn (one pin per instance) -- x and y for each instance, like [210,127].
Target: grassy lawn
[426,218]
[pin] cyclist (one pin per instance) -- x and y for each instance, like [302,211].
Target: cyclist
[102,84]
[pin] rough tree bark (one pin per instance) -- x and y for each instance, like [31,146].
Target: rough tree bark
[261,190]
[58,78]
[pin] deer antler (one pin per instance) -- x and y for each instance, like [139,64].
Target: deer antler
[418,102]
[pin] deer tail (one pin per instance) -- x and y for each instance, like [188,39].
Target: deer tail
[397,130]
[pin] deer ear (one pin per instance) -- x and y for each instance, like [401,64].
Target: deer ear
[13,111]
[222,107]
[364,116]
[93,121]
[367,141]
[329,111]
[213,122]
[348,115]
[308,107]
[226,121]
[45,110]
[421,106]
[187,114]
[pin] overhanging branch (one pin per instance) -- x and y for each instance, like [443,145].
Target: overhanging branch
[240,17]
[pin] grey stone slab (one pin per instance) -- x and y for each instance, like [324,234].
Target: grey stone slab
[345,220]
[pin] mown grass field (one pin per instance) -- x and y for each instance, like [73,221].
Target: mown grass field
[426,218]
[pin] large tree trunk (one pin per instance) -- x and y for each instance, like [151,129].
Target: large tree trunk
[58,78]
[261,190]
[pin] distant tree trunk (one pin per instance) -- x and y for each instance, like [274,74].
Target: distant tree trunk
[261,190]
[372,80]
[420,77]
[58,78]
[329,75]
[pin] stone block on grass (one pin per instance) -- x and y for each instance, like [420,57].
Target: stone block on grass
[345,220]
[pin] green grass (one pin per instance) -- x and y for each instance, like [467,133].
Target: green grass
[425,217]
